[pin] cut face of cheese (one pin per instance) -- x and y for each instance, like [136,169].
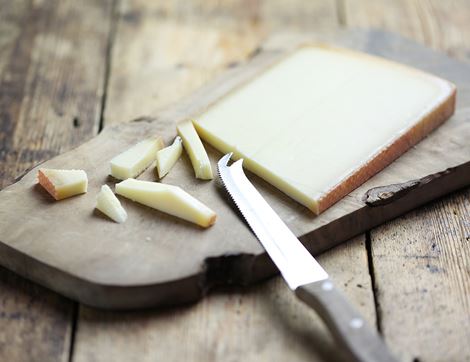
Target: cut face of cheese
[195,149]
[63,183]
[168,156]
[136,159]
[167,198]
[109,205]
[322,121]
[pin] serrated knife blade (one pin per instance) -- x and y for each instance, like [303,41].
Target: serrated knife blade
[296,264]
[300,269]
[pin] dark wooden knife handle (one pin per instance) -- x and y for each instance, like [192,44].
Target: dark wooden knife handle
[358,340]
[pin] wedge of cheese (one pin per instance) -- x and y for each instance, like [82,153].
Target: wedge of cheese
[136,159]
[196,151]
[109,205]
[168,156]
[167,198]
[322,121]
[63,183]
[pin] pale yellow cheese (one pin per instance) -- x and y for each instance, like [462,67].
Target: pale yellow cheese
[322,121]
[168,156]
[136,159]
[195,149]
[167,198]
[109,205]
[63,183]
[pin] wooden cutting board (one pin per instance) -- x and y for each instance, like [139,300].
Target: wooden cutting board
[155,259]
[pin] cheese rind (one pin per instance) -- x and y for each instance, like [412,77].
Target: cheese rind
[195,149]
[110,205]
[168,156]
[63,183]
[136,159]
[167,198]
[322,121]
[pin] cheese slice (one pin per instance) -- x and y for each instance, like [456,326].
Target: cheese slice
[167,198]
[63,183]
[195,149]
[168,156]
[322,121]
[136,159]
[109,205]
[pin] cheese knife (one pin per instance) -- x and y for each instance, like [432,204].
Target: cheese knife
[301,271]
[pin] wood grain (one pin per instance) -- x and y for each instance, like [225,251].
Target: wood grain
[441,25]
[422,281]
[164,51]
[384,195]
[263,322]
[424,313]
[36,324]
[354,337]
[50,97]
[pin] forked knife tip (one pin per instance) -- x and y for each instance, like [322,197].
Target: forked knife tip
[223,162]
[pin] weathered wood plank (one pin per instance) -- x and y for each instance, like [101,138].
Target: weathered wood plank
[164,51]
[35,323]
[424,313]
[266,322]
[441,25]
[423,282]
[398,16]
[51,84]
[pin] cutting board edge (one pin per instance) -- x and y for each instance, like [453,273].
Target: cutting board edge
[227,269]
[261,267]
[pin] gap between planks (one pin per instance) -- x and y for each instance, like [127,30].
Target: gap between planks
[370,266]
[115,18]
[114,14]
[73,330]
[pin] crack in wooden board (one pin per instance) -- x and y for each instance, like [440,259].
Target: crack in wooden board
[155,259]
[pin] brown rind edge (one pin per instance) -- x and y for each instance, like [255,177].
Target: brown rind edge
[411,137]
[44,181]
[407,140]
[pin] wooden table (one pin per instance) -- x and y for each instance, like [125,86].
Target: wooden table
[68,68]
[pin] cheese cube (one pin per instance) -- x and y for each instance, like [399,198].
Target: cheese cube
[63,183]
[136,159]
